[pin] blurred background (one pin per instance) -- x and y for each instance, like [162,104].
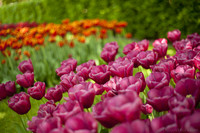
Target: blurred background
[148,19]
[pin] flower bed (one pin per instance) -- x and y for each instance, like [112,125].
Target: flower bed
[142,91]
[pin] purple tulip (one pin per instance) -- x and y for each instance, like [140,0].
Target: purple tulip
[133,57]
[164,124]
[10,88]
[185,57]
[174,35]
[144,44]
[181,106]
[184,44]
[3,91]
[67,110]
[46,110]
[54,94]
[64,70]
[83,93]
[33,125]
[20,103]
[102,115]
[37,91]
[137,126]
[189,87]
[130,84]
[182,71]
[159,98]
[84,69]
[111,85]
[26,66]
[147,58]
[70,61]
[109,51]
[146,109]
[159,41]
[197,61]
[157,80]
[130,47]
[100,74]
[25,80]
[165,65]
[160,47]
[122,67]
[140,75]
[198,75]
[69,80]
[81,123]
[98,89]
[194,39]
[190,124]
[127,107]
[49,125]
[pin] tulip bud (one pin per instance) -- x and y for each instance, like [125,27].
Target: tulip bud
[20,103]
[38,91]
[54,94]
[26,66]
[25,80]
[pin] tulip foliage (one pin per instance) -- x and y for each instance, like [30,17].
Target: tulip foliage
[143,91]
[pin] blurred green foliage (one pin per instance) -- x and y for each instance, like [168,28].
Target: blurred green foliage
[146,18]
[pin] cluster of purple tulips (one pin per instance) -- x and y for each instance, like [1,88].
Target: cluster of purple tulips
[121,106]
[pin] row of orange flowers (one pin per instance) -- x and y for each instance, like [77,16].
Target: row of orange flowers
[25,34]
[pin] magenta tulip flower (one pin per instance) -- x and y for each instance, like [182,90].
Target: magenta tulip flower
[182,71]
[185,57]
[81,123]
[137,126]
[84,69]
[194,39]
[26,66]
[133,57]
[100,74]
[67,110]
[198,75]
[70,61]
[144,44]
[190,124]
[46,110]
[64,70]
[20,103]
[33,125]
[146,109]
[37,91]
[181,106]
[122,67]
[54,94]
[184,44]
[3,91]
[165,124]
[130,47]
[189,86]
[160,47]
[197,61]
[83,93]
[159,98]
[109,51]
[127,107]
[49,125]
[69,80]
[130,84]
[174,35]
[147,58]
[157,80]
[10,88]
[25,80]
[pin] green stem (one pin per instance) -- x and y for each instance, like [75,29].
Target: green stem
[27,116]
[22,122]
[10,62]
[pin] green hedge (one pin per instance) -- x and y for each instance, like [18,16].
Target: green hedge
[146,18]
